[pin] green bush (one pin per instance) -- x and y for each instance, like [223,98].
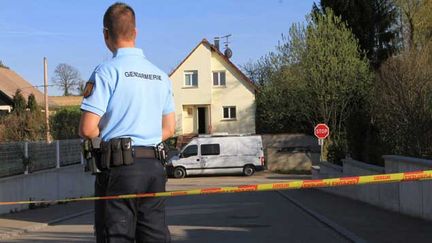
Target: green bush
[336,151]
[65,123]
[25,126]
[281,110]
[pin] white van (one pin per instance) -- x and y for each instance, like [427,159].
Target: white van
[217,155]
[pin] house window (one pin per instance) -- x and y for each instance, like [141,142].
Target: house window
[229,112]
[219,78]
[191,78]
[210,149]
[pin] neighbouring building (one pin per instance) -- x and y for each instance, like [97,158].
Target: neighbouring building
[9,83]
[211,94]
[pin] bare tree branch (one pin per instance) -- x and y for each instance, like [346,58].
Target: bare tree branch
[67,77]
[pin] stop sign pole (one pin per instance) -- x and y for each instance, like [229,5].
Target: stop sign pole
[321,131]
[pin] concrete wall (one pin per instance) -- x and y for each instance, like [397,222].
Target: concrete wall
[65,182]
[411,198]
[290,152]
[415,197]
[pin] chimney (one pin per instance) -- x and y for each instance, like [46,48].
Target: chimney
[216,43]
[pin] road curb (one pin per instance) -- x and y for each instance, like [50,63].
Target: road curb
[39,226]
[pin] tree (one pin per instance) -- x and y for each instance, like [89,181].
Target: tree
[281,109]
[403,97]
[416,21]
[316,74]
[274,65]
[281,106]
[373,22]
[424,23]
[259,72]
[32,103]
[335,73]
[409,10]
[19,102]
[81,87]
[67,77]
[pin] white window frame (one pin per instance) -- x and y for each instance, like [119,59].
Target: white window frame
[219,78]
[230,116]
[191,73]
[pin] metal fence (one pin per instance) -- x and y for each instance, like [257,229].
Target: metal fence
[11,159]
[70,152]
[26,157]
[41,155]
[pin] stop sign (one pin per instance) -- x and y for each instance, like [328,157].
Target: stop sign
[322,131]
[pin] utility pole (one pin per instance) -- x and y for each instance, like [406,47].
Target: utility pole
[48,136]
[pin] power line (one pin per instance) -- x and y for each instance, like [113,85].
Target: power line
[33,86]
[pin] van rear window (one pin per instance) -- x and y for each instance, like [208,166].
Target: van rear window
[210,149]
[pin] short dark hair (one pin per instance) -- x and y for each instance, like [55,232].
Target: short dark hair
[119,21]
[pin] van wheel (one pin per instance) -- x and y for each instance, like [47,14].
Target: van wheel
[248,170]
[179,172]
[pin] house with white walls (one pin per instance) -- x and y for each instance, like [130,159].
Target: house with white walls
[211,94]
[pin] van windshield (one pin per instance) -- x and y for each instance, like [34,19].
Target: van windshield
[191,150]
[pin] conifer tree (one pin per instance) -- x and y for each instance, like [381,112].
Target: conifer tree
[19,102]
[373,22]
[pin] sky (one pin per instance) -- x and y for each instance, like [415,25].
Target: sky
[70,31]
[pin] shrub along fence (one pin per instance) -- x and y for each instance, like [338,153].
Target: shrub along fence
[26,157]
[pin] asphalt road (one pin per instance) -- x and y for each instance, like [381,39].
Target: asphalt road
[244,217]
[288,216]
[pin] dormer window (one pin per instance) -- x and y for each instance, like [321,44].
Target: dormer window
[219,78]
[191,78]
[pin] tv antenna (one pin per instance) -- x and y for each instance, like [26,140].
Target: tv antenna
[228,52]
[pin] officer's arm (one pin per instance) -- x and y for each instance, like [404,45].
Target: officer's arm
[168,125]
[89,125]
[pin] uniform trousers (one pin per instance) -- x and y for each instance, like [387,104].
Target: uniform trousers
[131,220]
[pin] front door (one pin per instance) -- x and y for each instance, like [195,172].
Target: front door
[202,124]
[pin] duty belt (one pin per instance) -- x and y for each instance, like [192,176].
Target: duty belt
[144,152]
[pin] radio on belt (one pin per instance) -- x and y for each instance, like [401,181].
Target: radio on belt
[92,153]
